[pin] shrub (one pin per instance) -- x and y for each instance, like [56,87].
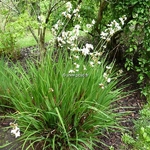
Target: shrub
[7,44]
[141,139]
[58,109]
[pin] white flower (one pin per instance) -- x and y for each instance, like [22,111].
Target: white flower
[41,18]
[93,21]
[64,34]
[64,13]
[77,27]
[53,31]
[108,67]
[51,90]
[76,30]
[122,21]
[85,51]
[89,46]
[99,62]
[120,71]
[56,26]
[125,18]
[68,6]
[117,26]
[92,63]
[108,39]
[84,68]
[105,75]
[68,16]
[59,39]
[75,56]
[98,53]
[77,65]
[88,25]
[77,15]
[108,80]
[112,32]
[75,49]
[76,10]
[71,71]
[91,54]
[104,35]
[101,85]
[15,130]
[104,46]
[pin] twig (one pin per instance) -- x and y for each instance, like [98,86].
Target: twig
[9,6]
[32,32]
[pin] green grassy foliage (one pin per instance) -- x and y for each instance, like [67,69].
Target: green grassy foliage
[58,110]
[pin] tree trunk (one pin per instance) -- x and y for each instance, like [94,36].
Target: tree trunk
[102,7]
[42,47]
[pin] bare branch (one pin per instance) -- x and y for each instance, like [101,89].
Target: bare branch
[8,6]
[15,6]
[32,32]
[51,10]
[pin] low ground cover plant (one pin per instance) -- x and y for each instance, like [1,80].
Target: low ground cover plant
[141,138]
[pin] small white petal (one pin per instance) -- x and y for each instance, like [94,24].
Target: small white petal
[101,85]
[93,21]
[85,51]
[88,25]
[71,71]
[77,66]
[108,80]
[89,46]
[108,67]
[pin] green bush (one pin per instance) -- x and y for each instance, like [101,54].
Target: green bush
[58,109]
[8,44]
[141,139]
[136,35]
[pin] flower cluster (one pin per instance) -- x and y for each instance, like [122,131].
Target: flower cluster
[68,38]
[15,130]
[69,12]
[113,27]
[56,27]
[88,27]
[106,77]
[86,49]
